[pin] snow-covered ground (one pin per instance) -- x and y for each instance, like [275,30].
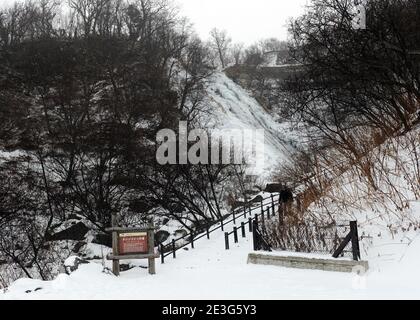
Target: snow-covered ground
[210,272]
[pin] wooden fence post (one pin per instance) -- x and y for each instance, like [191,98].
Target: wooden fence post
[354,240]
[115,263]
[250,224]
[272,204]
[192,240]
[243,230]
[173,249]
[162,253]
[254,235]
[221,224]
[263,219]
[227,241]
[235,234]
[256,221]
[234,217]
[152,263]
[245,211]
[208,233]
[268,213]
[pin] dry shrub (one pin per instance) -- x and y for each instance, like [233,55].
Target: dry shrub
[369,172]
[305,236]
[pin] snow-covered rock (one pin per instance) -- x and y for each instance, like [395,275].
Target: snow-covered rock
[72,263]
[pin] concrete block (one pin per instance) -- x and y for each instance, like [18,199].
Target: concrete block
[336,265]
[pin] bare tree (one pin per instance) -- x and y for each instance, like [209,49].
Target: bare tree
[355,78]
[83,101]
[220,42]
[238,52]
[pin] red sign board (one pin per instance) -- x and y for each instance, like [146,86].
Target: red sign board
[132,243]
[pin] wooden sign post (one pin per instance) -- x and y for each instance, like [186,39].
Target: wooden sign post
[132,243]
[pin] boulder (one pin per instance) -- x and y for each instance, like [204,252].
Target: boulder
[104,239]
[256,199]
[238,204]
[72,264]
[76,232]
[274,187]
[252,192]
[79,245]
[126,266]
[161,236]
[180,233]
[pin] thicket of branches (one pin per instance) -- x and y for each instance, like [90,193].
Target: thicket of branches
[358,97]
[83,92]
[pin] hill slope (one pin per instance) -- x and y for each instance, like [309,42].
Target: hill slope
[232,107]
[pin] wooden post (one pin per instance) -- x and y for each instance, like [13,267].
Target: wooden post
[115,263]
[221,224]
[243,230]
[227,241]
[235,234]
[341,247]
[244,211]
[208,233]
[173,249]
[254,236]
[262,219]
[256,221]
[250,224]
[268,213]
[272,205]
[192,240]
[162,253]
[354,240]
[151,238]
[234,217]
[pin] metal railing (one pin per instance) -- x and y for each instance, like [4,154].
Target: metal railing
[309,238]
[238,213]
[252,225]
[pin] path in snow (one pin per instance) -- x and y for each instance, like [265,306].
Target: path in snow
[210,272]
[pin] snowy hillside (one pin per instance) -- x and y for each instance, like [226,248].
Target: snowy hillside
[232,107]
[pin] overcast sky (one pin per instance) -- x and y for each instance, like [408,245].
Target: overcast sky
[245,20]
